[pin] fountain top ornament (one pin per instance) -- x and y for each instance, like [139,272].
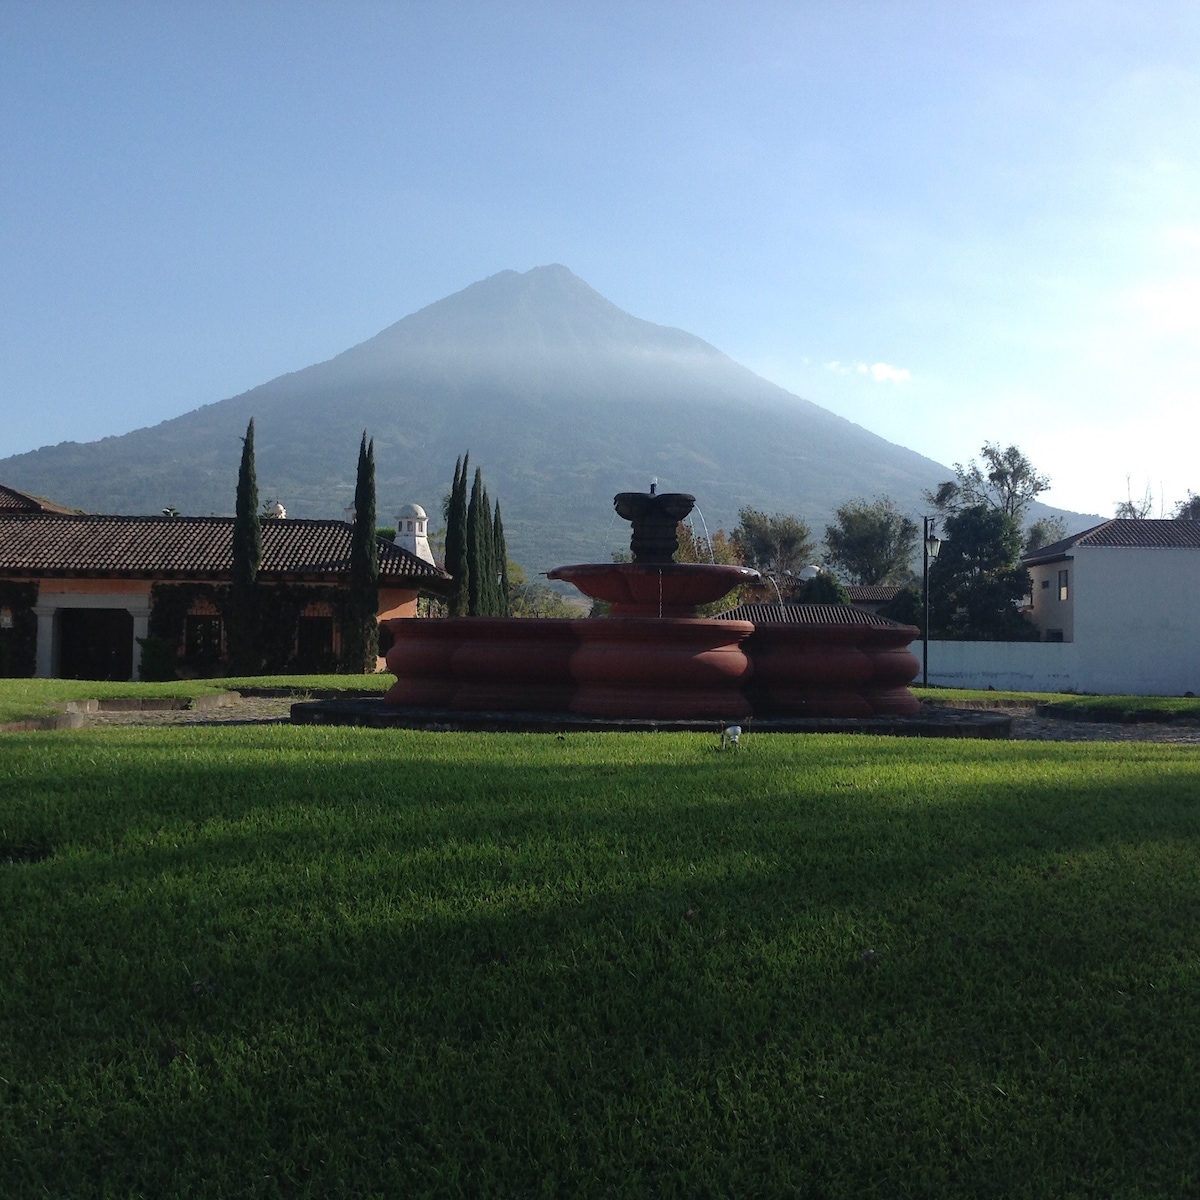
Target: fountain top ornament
[654,584]
[655,519]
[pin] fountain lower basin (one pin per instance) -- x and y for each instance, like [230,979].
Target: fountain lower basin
[673,668]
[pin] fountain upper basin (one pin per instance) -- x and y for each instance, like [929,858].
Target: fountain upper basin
[642,589]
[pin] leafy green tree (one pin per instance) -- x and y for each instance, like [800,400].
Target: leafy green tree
[456,540]
[1006,481]
[361,636]
[1044,532]
[718,548]
[823,588]
[244,643]
[1189,509]
[872,543]
[976,582]
[776,544]
[907,606]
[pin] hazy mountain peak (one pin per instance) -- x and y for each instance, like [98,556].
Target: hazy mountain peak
[547,312]
[562,398]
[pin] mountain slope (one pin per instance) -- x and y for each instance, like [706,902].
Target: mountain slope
[561,397]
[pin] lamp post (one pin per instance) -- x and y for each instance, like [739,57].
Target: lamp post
[932,545]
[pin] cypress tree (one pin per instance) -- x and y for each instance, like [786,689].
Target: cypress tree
[450,550]
[362,636]
[457,560]
[477,550]
[244,642]
[490,587]
[500,549]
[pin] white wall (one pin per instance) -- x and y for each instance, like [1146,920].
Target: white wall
[1137,613]
[1137,632]
[1049,612]
[1006,666]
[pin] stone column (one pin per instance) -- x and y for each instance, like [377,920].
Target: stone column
[141,629]
[44,610]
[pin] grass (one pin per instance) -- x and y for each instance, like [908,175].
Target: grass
[945,695]
[325,962]
[28,699]
[1119,708]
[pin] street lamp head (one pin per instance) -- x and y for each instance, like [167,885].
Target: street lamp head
[932,545]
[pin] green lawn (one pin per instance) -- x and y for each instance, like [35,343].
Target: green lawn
[26,699]
[1117,708]
[333,962]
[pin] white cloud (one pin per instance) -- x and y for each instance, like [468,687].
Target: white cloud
[880,372]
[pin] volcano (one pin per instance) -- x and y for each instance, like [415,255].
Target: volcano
[561,397]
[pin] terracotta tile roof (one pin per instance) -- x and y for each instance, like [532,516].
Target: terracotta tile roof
[804,614]
[13,501]
[876,593]
[1145,535]
[186,547]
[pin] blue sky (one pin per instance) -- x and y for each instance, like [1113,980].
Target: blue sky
[948,222]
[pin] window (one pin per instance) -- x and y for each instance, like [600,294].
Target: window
[202,637]
[6,619]
[1063,590]
[1045,584]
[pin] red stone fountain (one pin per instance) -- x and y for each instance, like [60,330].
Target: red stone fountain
[652,657]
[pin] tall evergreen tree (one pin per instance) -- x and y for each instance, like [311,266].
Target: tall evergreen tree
[457,562]
[487,559]
[477,549]
[500,548]
[245,655]
[361,644]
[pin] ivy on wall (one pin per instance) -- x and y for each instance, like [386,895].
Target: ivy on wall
[18,645]
[277,635]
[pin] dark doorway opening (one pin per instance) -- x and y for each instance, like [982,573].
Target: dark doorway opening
[95,643]
[314,643]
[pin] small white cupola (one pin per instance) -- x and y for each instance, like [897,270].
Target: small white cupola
[412,532]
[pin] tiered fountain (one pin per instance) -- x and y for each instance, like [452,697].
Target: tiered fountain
[652,657]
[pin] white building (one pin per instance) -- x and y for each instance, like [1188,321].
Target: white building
[1118,607]
[412,532]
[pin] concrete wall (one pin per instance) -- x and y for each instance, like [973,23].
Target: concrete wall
[1136,625]
[1006,666]
[1137,613]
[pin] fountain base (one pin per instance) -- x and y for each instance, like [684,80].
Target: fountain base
[646,668]
[616,667]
